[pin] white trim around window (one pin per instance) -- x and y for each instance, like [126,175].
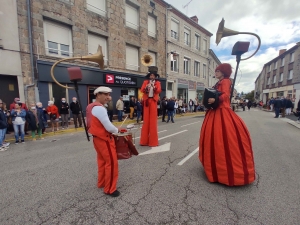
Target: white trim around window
[187,65]
[58,39]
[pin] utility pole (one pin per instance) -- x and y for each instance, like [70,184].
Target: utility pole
[186,6]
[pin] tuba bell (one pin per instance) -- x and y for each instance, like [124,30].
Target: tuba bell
[147,60]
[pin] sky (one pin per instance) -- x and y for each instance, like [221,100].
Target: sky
[276,22]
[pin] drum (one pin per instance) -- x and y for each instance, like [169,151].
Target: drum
[211,93]
[124,146]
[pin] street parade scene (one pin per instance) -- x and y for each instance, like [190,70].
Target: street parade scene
[149,112]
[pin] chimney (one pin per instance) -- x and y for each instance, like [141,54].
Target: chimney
[194,18]
[281,51]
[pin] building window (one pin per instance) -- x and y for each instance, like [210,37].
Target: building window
[269,67]
[205,46]
[274,79]
[186,65]
[281,77]
[132,17]
[132,58]
[174,28]
[204,71]
[197,69]
[58,39]
[282,61]
[187,36]
[292,57]
[174,63]
[197,42]
[170,85]
[291,73]
[275,65]
[151,26]
[97,6]
[94,41]
[268,80]
[153,55]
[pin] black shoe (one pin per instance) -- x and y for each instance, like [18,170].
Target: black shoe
[173,122]
[167,122]
[116,193]
[163,121]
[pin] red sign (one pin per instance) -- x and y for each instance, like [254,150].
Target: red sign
[110,79]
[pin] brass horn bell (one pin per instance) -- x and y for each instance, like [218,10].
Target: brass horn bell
[97,58]
[147,60]
[224,32]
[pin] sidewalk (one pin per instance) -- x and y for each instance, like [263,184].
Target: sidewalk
[290,119]
[48,132]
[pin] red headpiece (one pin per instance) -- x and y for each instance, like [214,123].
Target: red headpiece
[225,68]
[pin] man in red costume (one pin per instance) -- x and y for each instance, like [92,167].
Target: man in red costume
[102,129]
[151,89]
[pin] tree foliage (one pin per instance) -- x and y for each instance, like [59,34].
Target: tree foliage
[250,96]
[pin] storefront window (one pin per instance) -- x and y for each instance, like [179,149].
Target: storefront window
[200,95]
[182,93]
[279,93]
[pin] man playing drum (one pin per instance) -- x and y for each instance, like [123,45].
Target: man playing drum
[102,129]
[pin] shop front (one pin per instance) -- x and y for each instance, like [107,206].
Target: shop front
[200,91]
[192,90]
[182,89]
[122,84]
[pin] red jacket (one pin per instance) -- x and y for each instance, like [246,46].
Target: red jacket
[89,113]
[53,110]
[12,106]
[156,91]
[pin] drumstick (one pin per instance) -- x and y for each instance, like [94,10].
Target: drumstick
[124,120]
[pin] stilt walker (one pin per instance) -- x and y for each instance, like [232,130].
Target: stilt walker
[151,89]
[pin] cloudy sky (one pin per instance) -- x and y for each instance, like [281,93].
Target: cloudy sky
[276,22]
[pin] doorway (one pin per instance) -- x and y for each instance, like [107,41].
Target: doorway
[9,88]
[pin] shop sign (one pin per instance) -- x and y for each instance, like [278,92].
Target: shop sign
[200,84]
[182,81]
[119,80]
[192,85]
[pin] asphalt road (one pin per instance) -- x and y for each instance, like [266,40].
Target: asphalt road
[53,181]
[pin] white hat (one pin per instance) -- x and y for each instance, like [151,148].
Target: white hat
[102,89]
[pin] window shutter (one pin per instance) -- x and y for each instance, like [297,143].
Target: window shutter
[174,26]
[151,26]
[97,6]
[153,55]
[132,58]
[58,33]
[132,17]
[94,41]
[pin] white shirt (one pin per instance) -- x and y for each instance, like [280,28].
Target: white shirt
[101,114]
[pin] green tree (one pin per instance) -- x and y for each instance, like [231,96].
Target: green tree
[250,96]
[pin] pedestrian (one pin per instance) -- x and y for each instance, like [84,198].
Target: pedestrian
[64,113]
[18,119]
[225,148]
[3,127]
[139,109]
[297,113]
[164,108]
[196,104]
[170,108]
[131,107]
[277,106]
[271,104]
[110,109]
[283,106]
[35,121]
[101,128]
[120,108]
[289,106]
[76,113]
[191,104]
[52,111]
[249,104]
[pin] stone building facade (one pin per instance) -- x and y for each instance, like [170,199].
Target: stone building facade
[11,75]
[126,30]
[280,76]
[187,56]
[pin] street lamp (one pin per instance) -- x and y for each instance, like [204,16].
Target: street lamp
[238,49]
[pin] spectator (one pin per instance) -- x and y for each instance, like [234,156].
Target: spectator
[191,104]
[34,118]
[131,107]
[110,109]
[16,101]
[171,108]
[164,108]
[74,106]
[277,105]
[249,104]
[3,127]
[120,108]
[52,111]
[138,111]
[196,104]
[64,113]
[289,106]
[43,112]
[18,119]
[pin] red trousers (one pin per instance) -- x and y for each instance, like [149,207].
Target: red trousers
[149,134]
[107,164]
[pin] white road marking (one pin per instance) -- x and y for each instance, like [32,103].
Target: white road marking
[188,157]
[163,148]
[190,124]
[172,134]
[157,132]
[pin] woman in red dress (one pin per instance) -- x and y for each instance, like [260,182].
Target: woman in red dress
[225,148]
